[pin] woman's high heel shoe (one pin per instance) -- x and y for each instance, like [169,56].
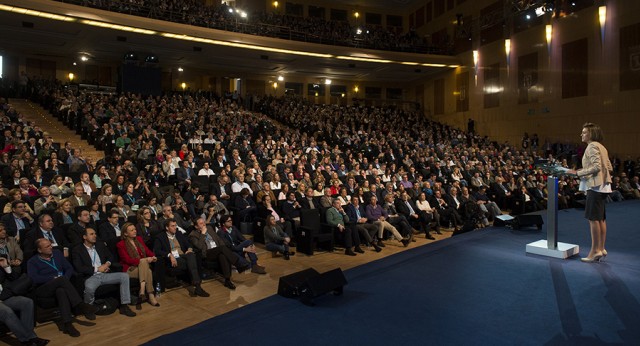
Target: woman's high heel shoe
[595,258]
[156,304]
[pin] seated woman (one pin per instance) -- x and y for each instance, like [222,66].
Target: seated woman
[106,197]
[16,195]
[10,249]
[64,214]
[276,239]
[423,205]
[266,209]
[100,176]
[95,212]
[282,196]
[344,197]
[37,179]
[136,258]
[59,186]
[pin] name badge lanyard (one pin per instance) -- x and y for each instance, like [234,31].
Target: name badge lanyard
[53,265]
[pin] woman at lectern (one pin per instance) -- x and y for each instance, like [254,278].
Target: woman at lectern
[595,180]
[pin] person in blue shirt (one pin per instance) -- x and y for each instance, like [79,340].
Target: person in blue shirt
[51,273]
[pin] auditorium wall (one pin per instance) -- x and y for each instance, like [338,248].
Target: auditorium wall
[552,89]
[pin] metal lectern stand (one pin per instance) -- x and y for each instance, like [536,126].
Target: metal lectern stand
[551,247]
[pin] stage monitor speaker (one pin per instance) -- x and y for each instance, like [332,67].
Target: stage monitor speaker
[291,286]
[527,221]
[332,280]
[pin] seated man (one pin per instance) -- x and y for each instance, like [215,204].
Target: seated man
[415,216]
[51,273]
[357,217]
[77,229]
[275,238]
[92,260]
[378,216]
[45,229]
[238,244]
[21,327]
[337,217]
[211,247]
[483,199]
[398,221]
[174,246]
[109,232]
[18,221]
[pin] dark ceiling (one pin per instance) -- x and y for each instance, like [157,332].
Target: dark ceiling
[61,41]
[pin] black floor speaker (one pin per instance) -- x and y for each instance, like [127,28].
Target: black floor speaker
[291,286]
[527,221]
[309,284]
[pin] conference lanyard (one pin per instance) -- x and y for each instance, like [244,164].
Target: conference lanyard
[52,264]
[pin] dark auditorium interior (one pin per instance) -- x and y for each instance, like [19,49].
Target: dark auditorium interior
[439,115]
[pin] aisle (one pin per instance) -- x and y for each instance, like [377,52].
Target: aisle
[55,128]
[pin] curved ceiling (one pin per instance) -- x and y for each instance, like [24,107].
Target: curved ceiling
[236,55]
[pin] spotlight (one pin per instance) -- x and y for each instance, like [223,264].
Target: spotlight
[152,59]
[327,81]
[180,69]
[280,78]
[84,58]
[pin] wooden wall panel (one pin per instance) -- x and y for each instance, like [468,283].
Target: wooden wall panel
[575,69]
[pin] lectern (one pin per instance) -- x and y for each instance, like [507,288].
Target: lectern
[551,247]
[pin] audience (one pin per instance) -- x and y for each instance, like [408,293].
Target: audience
[264,166]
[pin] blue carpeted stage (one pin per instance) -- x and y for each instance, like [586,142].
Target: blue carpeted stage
[479,288]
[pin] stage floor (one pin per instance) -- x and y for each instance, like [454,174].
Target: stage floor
[477,288]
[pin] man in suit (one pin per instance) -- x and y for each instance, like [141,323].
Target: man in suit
[18,221]
[184,175]
[194,201]
[446,210]
[410,211]
[503,195]
[174,246]
[373,191]
[45,229]
[337,217]
[92,261]
[109,232]
[79,198]
[309,201]
[77,229]
[358,219]
[397,220]
[222,190]
[211,247]
[326,201]
[237,243]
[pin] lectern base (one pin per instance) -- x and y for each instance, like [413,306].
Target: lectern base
[563,251]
